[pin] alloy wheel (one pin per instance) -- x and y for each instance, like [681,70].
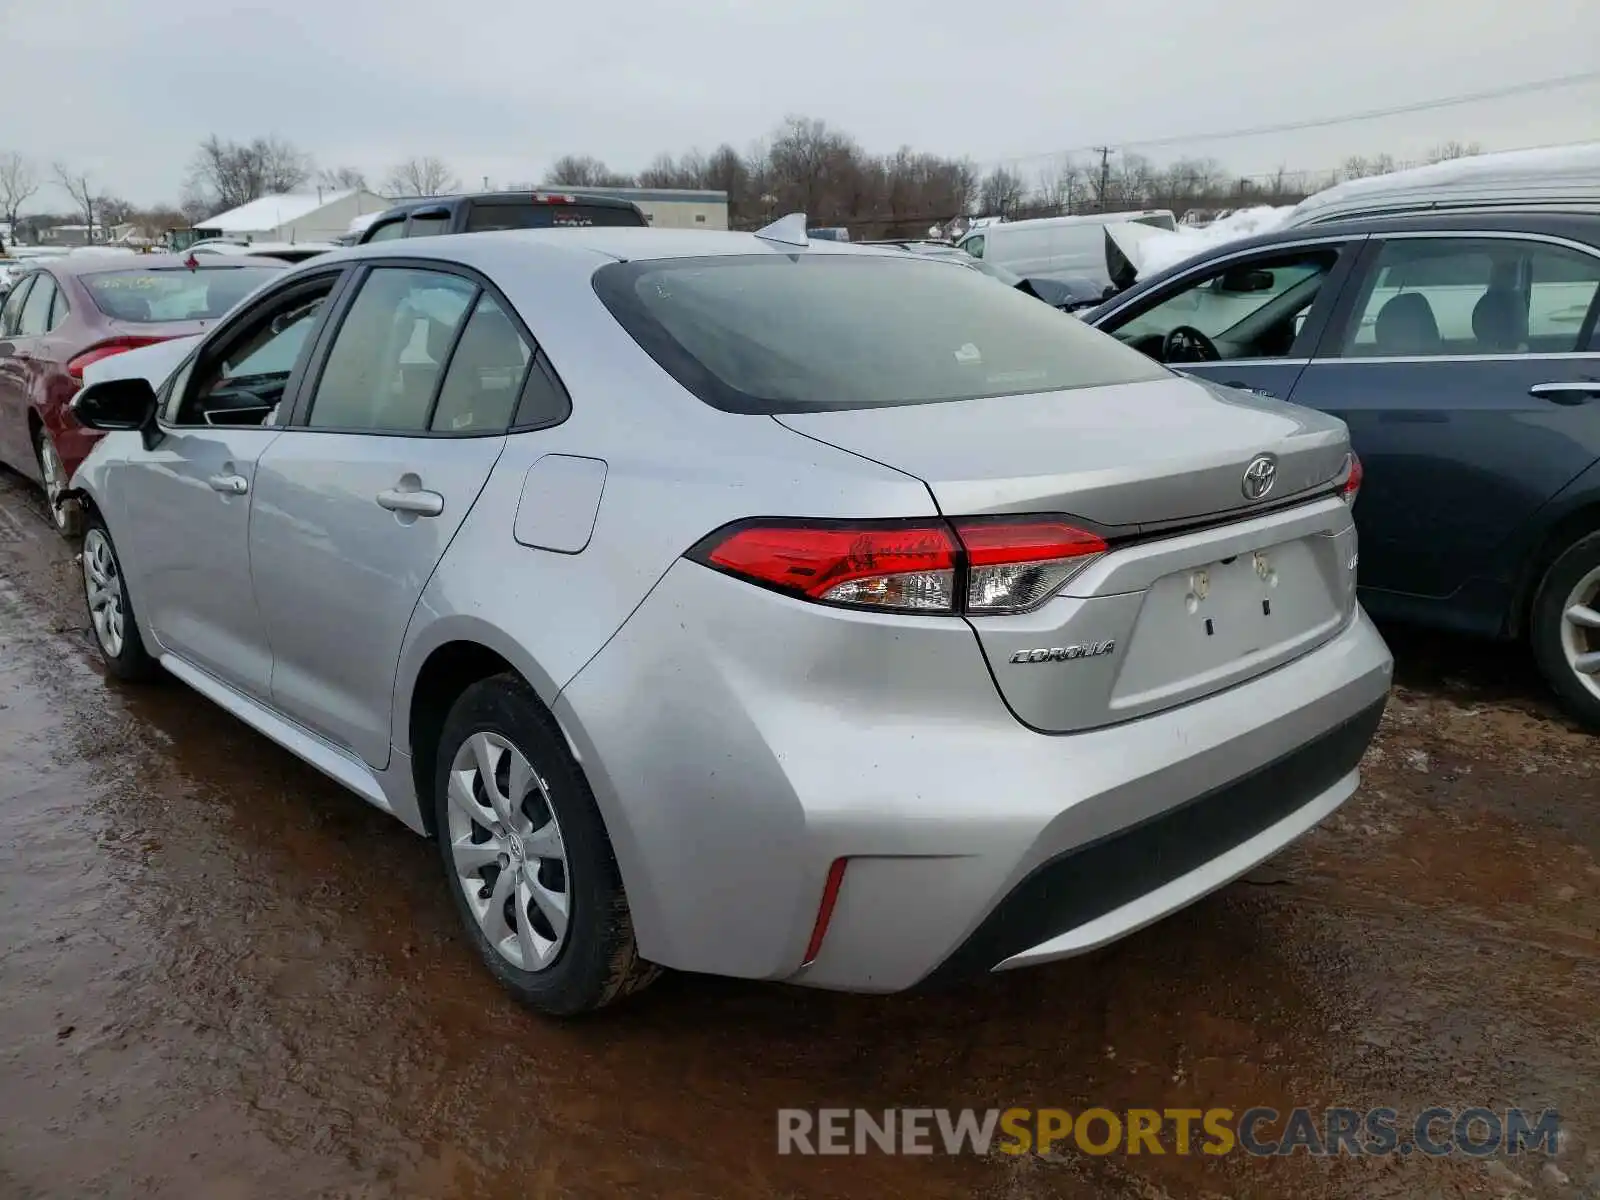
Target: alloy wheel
[509,856]
[1580,631]
[103,584]
[55,479]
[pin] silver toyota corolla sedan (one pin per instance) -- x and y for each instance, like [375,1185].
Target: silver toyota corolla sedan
[744,605]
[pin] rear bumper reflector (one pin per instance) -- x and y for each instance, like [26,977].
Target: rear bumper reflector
[830,897]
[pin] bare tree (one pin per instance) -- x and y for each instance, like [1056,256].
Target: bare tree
[76,185]
[1062,188]
[424,176]
[225,175]
[1445,151]
[1002,192]
[18,182]
[342,179]
[576,170]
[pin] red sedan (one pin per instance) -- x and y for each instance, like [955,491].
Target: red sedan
[76,310]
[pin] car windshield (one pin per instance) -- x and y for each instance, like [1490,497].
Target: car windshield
[796,333]
[173,293]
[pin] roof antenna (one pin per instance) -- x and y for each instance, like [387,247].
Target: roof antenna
[789,230]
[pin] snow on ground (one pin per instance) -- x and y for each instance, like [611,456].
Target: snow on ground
[359,224]
[1159,249]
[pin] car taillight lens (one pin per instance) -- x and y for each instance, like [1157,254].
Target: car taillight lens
[106,349]
[1350,479]
[978,565]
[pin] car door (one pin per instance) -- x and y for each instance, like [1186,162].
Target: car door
[14,448]
[357,502]
[1462,365]
[27,366]
[1259,312]
[187,498]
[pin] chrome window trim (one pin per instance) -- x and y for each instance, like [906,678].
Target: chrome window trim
[1245,362]
[1435,358]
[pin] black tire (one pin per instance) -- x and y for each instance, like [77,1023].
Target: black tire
[66,515]
[125,657]
[1545,629]
[599,961]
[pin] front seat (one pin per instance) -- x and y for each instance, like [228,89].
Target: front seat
[1406,326]
[1500,322]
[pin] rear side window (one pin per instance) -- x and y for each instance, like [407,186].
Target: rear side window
[530,215]
[485,376]
[11,313]
[174,294]
[799,333]
[36,312]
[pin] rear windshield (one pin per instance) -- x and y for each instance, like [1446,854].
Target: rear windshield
[484,217]
[173,293]
[802,333]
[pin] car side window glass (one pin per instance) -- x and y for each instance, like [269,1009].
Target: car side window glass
[429,226]
[387,358]
[1250,308]
[484,381]
[974,246]
[58,309]
[1433,297]
[389,230]
[11,311]
[544,401]
[244,384]
[36,310]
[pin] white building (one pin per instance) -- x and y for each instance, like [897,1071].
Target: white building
[668,208]
[293,216]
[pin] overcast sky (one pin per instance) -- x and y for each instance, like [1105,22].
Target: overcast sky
[124,89]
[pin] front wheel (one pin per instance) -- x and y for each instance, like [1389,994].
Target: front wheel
[526,855]
[116,632]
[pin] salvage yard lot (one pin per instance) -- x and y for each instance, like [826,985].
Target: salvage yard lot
[221,975]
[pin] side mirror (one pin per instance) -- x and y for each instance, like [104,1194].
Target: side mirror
[115,404]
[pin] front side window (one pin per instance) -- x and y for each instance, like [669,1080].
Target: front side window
[388,231]
[974,246]
[431,225]
[35,319]
[797,333]
[1252,308]
[387,358]
[174,293]
[1429,297]
[243,381]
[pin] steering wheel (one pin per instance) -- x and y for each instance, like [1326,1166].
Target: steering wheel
[1186,344]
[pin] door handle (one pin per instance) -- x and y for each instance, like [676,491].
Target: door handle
[229,485]
[1567,392]
[422,504]
[1245,387]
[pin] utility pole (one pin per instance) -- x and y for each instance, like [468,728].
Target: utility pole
[1105,153]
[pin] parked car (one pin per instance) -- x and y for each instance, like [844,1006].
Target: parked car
[66,313]
[745,604]
[1069,295]
[288,252]
[1461,349]
[1057,246]
[487,211]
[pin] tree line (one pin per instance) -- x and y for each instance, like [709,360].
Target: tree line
[804,165]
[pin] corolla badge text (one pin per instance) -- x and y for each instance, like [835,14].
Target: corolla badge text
[1065,653]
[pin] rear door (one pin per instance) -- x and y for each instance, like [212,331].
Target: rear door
[1463,365]
[14,448]
[1259,313]
[358,500]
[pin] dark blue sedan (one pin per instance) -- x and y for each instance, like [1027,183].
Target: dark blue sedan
[1463,353]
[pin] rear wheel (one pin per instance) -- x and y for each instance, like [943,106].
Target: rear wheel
[116,632]
[67,513]
[527,858]
[1565,629]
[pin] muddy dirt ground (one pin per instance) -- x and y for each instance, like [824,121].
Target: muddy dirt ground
[223,977]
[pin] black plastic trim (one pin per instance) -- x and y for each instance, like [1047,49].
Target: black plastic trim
[1099,877]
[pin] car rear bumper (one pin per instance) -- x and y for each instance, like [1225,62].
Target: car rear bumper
[737,753]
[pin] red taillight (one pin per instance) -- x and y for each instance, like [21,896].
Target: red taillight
[980,565]
[1350,483]
[106,349]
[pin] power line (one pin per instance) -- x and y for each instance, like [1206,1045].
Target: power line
[1370,114]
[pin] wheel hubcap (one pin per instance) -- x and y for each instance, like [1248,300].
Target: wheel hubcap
[1580,631]
[509,856]
[103,586]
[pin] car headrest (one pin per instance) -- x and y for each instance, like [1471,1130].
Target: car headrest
[1500,322]
[1406,325]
